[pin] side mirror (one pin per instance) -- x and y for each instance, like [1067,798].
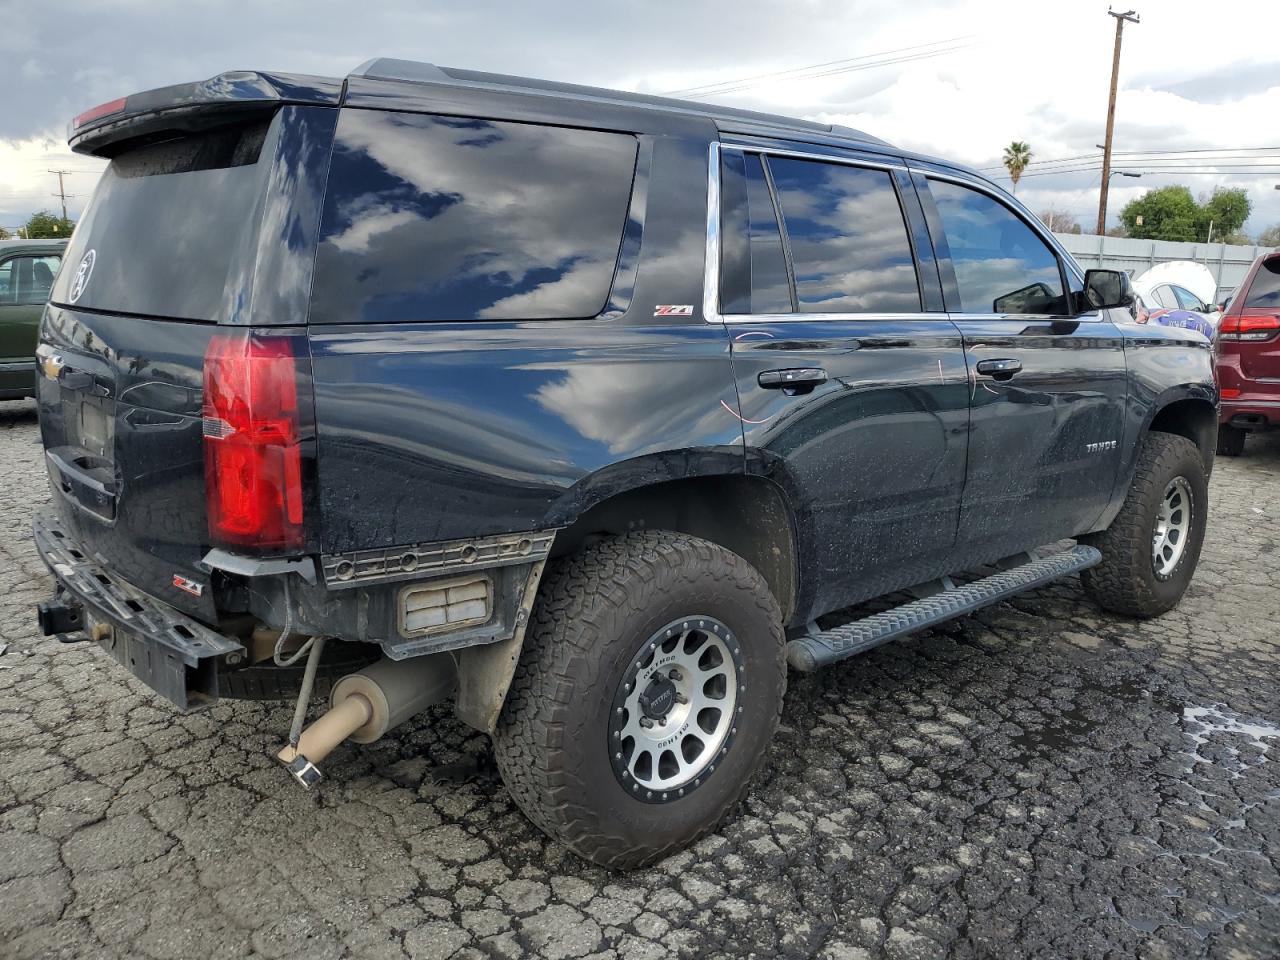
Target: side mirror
[1107,290]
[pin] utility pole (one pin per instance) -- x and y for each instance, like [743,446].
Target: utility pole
[62,190]
[1132,17]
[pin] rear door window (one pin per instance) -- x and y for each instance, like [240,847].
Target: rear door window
[849,246]
[754,277]
[1264,291]
[450,218]
[1001,265]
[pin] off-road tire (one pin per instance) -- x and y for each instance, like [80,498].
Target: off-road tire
[1230,440]
[594,610]
[1125,581]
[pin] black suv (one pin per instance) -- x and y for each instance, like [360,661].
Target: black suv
[586,411]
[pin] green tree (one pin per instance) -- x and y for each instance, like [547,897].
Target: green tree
[1270,237]
[1227,209]
[5,234]
[1017,156]
[1170,213]
[46,225]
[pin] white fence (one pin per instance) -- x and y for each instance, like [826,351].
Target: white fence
[1228,264]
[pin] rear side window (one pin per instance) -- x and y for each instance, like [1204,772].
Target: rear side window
[1264,291]
[1001,265]
[27,279]
[849,246]
[448,218]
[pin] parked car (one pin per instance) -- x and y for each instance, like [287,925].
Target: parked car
[1248,364]
[1166,297]
[27,269]
[586,410]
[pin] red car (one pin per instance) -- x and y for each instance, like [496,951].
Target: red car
[1249,357]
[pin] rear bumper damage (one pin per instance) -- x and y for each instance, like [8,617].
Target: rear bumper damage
[172,653]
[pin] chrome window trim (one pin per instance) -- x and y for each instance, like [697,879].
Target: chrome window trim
[711,275]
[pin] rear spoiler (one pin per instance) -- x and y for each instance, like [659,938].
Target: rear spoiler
[191,106]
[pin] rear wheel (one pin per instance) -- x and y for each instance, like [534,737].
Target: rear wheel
[1150,551]
[648,690]
[1230,440]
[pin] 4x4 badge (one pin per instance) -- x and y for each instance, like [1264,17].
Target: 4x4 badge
[83,272]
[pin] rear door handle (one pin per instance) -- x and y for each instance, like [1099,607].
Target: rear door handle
[792,378]
[999,369]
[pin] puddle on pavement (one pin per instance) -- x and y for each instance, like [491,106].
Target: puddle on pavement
[1201,724]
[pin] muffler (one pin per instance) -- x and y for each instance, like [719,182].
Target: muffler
[365,705]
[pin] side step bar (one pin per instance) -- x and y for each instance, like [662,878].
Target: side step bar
[814,650]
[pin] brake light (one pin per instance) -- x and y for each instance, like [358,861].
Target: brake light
[252,452]
[1249,327]
[101,110]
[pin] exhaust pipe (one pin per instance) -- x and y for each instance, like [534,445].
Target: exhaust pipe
[365,705]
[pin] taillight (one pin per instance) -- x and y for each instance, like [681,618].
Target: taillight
[252,442]
[1249,327]
[101,110]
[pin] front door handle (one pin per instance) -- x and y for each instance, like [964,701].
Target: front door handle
[999,369]
[792,378]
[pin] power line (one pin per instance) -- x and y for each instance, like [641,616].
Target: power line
[1226,152]
[829,68]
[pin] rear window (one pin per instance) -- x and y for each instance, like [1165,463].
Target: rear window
[1264,292]
[169,225]
[447,218]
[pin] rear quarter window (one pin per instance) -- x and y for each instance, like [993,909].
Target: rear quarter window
[1264,291]
[431,218]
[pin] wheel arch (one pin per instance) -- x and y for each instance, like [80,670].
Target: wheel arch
[748,515]
[1193,416]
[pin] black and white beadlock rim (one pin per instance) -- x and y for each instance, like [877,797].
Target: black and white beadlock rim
[1173,527]
[676,710]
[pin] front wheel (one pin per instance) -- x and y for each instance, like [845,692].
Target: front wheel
[1150,551]
[648,690]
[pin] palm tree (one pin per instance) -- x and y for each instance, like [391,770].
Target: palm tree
[1016,157]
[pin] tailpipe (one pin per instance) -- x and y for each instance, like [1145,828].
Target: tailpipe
[365,705]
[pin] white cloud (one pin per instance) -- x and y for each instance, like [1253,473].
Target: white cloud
[1193,75]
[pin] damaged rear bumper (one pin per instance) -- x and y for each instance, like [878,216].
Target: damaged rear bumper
[170,652]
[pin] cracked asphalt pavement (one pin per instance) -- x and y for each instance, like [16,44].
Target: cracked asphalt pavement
[1037,780]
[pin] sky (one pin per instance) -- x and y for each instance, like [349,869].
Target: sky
[954,79]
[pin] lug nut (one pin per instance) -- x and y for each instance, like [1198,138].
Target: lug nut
[646,722]
[681,698]
[674,675]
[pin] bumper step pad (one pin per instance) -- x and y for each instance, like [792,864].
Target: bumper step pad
[817,649]
[169,651]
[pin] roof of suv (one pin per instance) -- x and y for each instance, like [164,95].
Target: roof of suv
[413,71]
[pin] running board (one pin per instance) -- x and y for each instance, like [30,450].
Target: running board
[814,650]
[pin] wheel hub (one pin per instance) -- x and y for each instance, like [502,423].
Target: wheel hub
[675,712]
[658,699]
[1173,527]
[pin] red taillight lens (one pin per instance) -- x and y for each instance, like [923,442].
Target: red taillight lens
[1249,327]
[252,452]
[101,110]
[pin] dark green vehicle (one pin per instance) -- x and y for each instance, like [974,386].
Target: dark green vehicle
[27,269]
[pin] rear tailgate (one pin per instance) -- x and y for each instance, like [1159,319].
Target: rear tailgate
[188,232]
